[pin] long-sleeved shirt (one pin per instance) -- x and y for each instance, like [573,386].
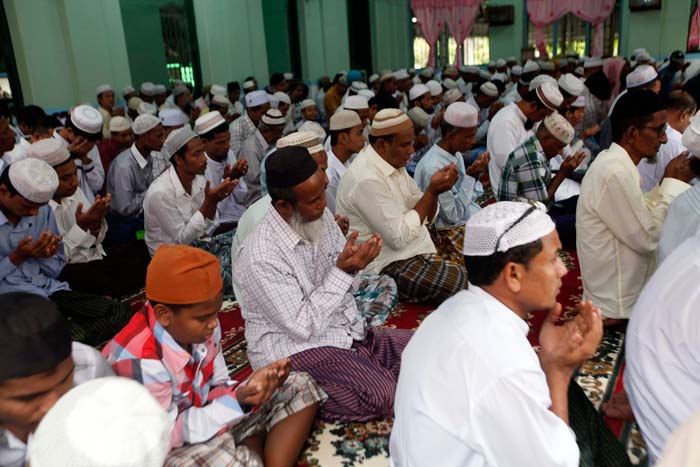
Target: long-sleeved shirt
[653,173]
[241,129]
[472,393]
[79,246]
[376,197]
[682,222]
[230,209]
[91,176]
[193,387]
[335,172]
[254,150]
[526,174]
[618,229]
[171,215]
[506,132]
[459,202]
[129,177]
[34,275]
[293,297]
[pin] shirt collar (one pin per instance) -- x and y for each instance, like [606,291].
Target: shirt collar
[496,305]
[624,156]
[383,166]
[673,134]
[519,112]
[140,160]
[286,235]
[214,163]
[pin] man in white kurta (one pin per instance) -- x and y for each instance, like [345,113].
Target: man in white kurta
[346,132]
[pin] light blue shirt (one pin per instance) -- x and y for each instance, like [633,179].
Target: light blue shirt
[35,275]
[459,203]
[682,222]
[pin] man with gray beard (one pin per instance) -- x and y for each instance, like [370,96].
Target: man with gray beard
[297,275]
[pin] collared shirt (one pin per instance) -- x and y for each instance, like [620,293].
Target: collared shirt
[254,150]
[171,215]
[129,177]
[246,225]
[161,163]
[459,202]
[193,387]
[618,229]
[661,348]
[682,222]
[91,177]
[293,297]
[376,197]
[472,393]
[79,246]
[335,172]
[89,364]
[653,173]
[231,208]
[506,132]
[526,174]
[484,123]
[241,129]
[34,275]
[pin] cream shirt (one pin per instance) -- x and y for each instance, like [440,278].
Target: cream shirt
[618,229]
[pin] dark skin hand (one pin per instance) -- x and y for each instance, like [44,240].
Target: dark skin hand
[356,257]
[92,218]
[44,247]
[81,146]
[479,166]
[239,169]
[263,383]
[343,222]
[212,196]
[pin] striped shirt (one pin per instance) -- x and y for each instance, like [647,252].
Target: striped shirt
[526,174]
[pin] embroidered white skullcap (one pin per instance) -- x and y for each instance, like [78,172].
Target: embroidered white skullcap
[34,179]
[170,116]
[483,74]
[389,121]
[401,74]
[160,89]
[282,97]
[366,93]
[220,100]
[541,79]
[504,220]
[641,75]
[118,123]
[579,71]
[500,63]
[419,117]
[374,77]
[217,90]
[147,108]
[288,76]
[546,65]
[417,91]
[559,127]
[256,98]
[177,139]
[305,139]
[530,66]
[462,115]
[571,84]
[179,90]
[449,83]
[248,84]
[517,70]
[208,122]
[643,57]
[358,86]
[145,123]
[104,88]
[453,95]
[489,89]
[134,103]
[549,95]
[50,150]
[427,72]
[343,120]
[306,103]
[691,135]
[104,421]
[434,87]
[148,89]
[273,117]
[314,128]
[128,89]
[87,119]
[593,63]
[579,102]
[356,103]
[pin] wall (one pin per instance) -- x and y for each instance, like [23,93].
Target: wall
[390,26]
[61,57]
[323,37]
[505,41]
[279,57]
[659,31]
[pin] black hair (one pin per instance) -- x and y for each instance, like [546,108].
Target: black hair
[335,134]
[388,138]
[29,115]
[446,128]
[5,180]
[484,270]
[180,152]
[565,94]
[532,96]
[5,109]
[282,194]
[276,79]
[233,86]
[384,100]
[78,132]
[174,308]
[680,100]
[249,78]
[621,124]
[211,134]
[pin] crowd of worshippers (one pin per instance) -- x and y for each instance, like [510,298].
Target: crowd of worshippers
[318,214]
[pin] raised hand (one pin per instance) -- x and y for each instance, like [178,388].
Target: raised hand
[443,179]
[479,166]
[45,246]
[92,219]
[81,146]
[259,387]
[237,170]
[571,162]
[343,222]
[212,196]
[356,257]
[680,168]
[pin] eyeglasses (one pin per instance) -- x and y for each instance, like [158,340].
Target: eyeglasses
[660,130]
[529,211]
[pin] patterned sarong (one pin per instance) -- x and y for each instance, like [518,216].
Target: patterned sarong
[220,246]
[376,298]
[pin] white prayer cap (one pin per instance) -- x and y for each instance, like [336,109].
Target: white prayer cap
[489,89]
[427,72]
[469,69]
[434,87]
[453,95]
[274,102]
[288,76]
[559,127]
[483,74]
[282,97]
[579,102]
[505,225]
[546,65]
[50,150]
[104,88]
[571,84]
[540,79]
[179,90]
[104,421]
[691,135]
[500,63]
[305,139]
[374,77]
[220,99]
[462,115]
[343,120]
[86,118]
[386,76]
[134,103]
[511,59]
[593,63]
[549,95]
[217,90]
[148,89]
[160,89]
[517,70]
[400,74]
[638,51]
[502,77]
[314,128]
[256,99]
[178,82]
[358,86]
[419,117]
[145,123]
[449,83]
[273,117]
[640,76]
[643,57]
[250,84]
[208,122]
[491,63]
[177,139]
[417,91]
[170,116]
[388,122]
[366,93]
[147,108]
[34,179]
[117,124]
[306,103]
[530,66]
[356,103]
[579,71]
[128,89]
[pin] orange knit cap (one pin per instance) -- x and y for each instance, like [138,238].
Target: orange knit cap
[183,275]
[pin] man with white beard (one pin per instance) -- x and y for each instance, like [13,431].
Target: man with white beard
[297,275]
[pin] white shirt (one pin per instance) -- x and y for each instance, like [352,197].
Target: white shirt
[682,222]
[662,377]
[618,229]
[506,132]
[91,177]
[471,392]
[376,197]
[335,172]
[246,225]
[79,246]
[653,173]
[231,208]
[171,216]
